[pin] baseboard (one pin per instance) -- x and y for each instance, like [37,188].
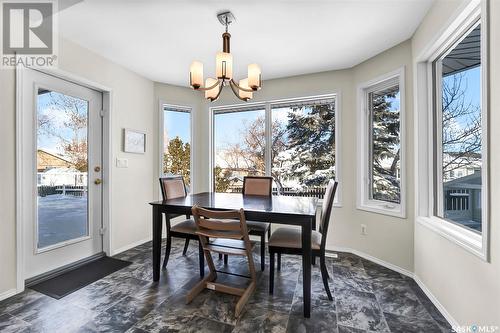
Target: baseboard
[405,272]
[8,293]
[131,245]
[374,259]
[436,303]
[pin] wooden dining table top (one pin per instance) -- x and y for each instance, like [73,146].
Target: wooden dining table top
[293,206]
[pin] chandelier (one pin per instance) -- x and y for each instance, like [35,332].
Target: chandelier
[224,71]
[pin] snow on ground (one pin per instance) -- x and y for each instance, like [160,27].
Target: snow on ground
[61,218]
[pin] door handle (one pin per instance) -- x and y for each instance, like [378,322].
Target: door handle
[98,181]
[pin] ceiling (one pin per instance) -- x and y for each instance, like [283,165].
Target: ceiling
[160,39]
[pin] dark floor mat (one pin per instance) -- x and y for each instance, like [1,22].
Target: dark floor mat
[66,283]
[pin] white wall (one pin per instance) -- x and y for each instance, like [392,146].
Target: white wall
[132,103]
[466,286]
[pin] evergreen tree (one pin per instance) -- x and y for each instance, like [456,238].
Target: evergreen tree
[177,159]
[311,144]
[385,145]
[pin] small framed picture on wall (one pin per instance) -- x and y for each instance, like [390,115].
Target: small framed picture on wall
[134,141]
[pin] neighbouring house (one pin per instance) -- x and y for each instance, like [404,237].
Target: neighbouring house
[47,161]
[463,200]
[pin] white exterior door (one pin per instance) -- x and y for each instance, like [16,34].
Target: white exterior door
[61,175]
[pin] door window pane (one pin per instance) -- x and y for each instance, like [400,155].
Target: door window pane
[177,143]
[62,158]
[239,148]
[384,148]
[459,125]
[303,147]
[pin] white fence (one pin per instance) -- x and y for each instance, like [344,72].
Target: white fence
[73,178]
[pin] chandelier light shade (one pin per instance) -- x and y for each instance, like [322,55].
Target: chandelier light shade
[244,89]
[254,76]
[224,65]
[196,74]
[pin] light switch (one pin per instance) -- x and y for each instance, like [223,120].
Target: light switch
[121,163]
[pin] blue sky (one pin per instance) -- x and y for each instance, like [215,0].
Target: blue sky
[177,124]
[472,77]
[228,126]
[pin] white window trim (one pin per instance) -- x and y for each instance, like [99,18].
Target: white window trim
[475,243]
[363,201]
[162,105]
[267,105]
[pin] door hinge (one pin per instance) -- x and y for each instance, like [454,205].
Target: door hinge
[101,231]
[102,112]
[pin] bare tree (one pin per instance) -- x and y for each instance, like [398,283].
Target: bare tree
[461,125]
[74,143]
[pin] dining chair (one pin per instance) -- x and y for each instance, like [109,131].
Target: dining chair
[289,241]
[223,232]
[259,186]
[174,187]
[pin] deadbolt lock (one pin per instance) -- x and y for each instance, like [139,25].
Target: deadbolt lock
[97,169]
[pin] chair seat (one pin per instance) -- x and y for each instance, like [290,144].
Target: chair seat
[186,227]
[291,238]
[258,226]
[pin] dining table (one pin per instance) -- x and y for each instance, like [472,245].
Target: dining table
[277,209]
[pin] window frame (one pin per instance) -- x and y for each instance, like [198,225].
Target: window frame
[161,117]
[364,202]
[268,105]
[471,241]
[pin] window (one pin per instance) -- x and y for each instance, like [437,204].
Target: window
[303,147]
[239,147]
[176,143]
[381,170]
[458,127]
[451,117]
[293,141]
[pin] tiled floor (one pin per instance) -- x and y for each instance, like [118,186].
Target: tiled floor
[367,298]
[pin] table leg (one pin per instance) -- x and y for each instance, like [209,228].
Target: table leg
[157,224]
[306,266]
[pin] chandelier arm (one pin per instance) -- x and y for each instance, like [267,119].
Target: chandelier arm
[220,90]
[211,87]
[233,88]
[241,88]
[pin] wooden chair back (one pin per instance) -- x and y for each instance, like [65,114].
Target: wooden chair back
[326,210]
[231,227]
[257,185]
[221,224]
[172,187]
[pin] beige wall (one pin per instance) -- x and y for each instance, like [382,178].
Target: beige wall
[467,287]
[132,107]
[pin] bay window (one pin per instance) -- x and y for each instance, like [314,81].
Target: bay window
[381,149]
[452,133]
[294,141]
[458,124]
[175,146]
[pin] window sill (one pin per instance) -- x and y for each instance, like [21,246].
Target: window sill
[466,239]
[383,208]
